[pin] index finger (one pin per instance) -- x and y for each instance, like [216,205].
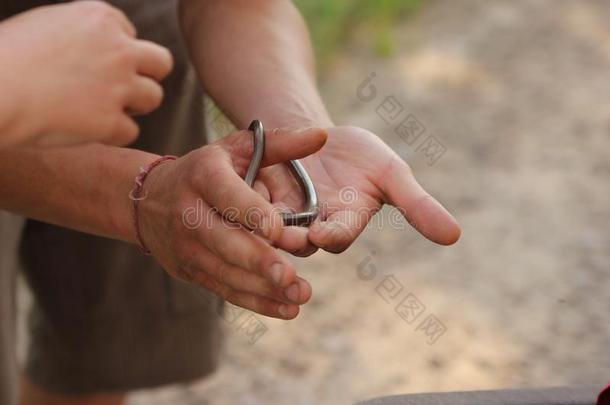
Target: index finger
[154,61]
[235,200]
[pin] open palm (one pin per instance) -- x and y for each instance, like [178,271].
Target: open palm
[355,173]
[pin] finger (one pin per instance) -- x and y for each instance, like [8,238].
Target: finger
[248,251]
[243,280]
[422,211]
[146,96]
[262,305]
[299,292]
[231,196]
[281,144]
[153,60]
[124,132]
[238,279]
[295,240]
[260,188]
[339,230]
[285,191]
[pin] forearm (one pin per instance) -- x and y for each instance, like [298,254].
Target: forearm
[84,188]
[254,58]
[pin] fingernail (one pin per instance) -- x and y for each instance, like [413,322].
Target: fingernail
[283,310]
[293,292]
[277,270]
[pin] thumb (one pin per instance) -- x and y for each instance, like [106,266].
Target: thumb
[282,144]
[422,211]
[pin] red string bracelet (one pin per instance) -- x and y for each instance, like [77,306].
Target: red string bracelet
[136,196]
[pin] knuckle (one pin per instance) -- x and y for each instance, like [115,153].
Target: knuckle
[275,293]
[197,174]
[94,6]
[101,13]
[268,308]
[119,94]
[167,62]
[223,273]
[257,262]
[112,127]
[243,279]
[216,180]
[121,132]
[124,57]
[203,160]
[129,135]
[156,96]
[254,304]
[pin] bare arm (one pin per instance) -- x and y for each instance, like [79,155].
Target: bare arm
[87,188]
[255,59]
[84,188]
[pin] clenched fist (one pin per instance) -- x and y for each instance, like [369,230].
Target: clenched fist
[76,72]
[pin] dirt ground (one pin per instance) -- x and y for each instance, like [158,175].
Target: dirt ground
[518,94]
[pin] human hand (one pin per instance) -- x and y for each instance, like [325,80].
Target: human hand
[197,212]
[358,161]
[75,72]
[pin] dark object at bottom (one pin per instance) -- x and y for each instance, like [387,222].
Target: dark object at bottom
[539,396]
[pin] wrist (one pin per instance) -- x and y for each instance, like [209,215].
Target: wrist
[143,195]
[297,120]
[120,206]
[291,111]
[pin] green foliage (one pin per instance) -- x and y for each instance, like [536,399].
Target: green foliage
[332,21]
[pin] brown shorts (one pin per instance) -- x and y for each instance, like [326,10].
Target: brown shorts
[106,317]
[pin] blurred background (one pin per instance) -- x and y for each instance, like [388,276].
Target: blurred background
[502,108]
